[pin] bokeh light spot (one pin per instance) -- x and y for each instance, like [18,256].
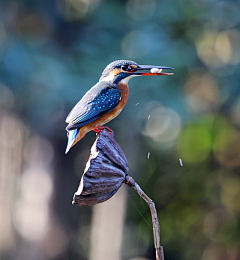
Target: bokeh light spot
[227,47]
[202,92]
[32,213]
[219,49]
[74,10]
[163,126]
[226,147]
[206,49]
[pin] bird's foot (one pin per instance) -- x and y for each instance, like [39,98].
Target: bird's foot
[98,129]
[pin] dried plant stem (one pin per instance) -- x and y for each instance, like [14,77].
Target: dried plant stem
[156,228]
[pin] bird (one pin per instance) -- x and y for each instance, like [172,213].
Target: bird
[106,99]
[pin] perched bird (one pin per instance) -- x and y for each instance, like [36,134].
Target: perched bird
[105,100]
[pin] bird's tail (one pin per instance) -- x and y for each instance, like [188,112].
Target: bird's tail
[71,138]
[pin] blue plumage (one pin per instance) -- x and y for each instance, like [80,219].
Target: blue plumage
[99,100]
[110,94]
[71,138]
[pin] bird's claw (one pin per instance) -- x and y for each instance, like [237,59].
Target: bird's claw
[98,129]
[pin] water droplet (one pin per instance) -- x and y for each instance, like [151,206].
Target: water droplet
[180,160]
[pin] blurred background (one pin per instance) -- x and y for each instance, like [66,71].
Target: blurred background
[51,53]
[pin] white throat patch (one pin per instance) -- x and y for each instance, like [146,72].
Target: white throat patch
[108,78]
[125,80]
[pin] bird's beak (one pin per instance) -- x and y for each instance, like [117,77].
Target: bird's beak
[153,70]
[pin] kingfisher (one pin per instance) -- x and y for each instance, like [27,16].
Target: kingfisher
[105,100]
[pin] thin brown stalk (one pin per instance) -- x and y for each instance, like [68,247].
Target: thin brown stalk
[156,228]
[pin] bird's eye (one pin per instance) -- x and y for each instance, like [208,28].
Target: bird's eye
[126,67]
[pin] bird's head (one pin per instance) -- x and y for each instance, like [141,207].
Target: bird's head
[123,70]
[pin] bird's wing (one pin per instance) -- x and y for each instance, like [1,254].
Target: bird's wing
[99,100]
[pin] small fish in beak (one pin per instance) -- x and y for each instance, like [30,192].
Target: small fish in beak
[155,70]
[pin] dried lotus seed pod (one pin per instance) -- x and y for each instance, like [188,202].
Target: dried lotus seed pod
[104,173]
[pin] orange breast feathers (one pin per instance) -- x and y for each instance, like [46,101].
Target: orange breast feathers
[117,110]
[108,116]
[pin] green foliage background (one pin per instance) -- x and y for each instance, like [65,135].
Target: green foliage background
[52,52]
